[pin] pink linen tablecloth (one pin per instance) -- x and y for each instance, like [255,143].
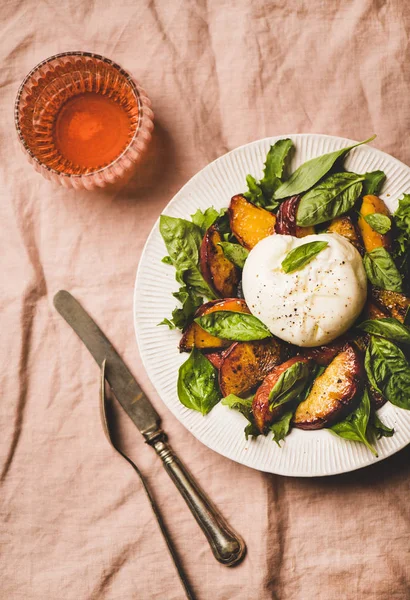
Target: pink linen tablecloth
[75,524]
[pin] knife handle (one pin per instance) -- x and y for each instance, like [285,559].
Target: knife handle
[227,546]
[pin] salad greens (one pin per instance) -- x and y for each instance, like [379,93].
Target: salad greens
[235,326]
[312,171]
[326,191]
[378,222]
[302,255]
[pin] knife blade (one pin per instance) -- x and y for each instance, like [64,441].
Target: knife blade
[227,546]
[125,388]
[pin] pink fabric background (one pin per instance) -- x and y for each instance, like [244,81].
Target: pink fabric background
[75,523]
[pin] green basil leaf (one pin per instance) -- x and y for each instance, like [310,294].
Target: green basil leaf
[354,427]
[302,255]
[198,383]
[381,270]
[167,260]
[290,384]
[236,253]
[312,171]
[193,278]
[229,325]
[378,222]
[281,428]
[378,428]
[332,197]
[388,328]
[373,182]
[182,239]
[388,371]
[205,219]
[402,221]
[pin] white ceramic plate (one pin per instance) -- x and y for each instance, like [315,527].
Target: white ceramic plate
[305,453]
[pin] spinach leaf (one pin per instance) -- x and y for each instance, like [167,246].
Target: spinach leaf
[205,219]
[381,270]
[355,426]
[373,182]
[244,406]
[402,221]
[260,193]
[378,428]
[312,171]
[388,371]
[388,328]
[281,428]
[302,255]
[236,253]
[229,325]
[332,197]
[290,384]
[378,222]
[198,383]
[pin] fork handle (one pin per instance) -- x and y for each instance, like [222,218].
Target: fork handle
[227,546]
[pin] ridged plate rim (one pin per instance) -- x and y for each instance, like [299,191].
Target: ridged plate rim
[305,454]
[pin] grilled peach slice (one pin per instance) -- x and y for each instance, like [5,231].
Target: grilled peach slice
[245,364]
[323,355]
[345,227]
[194,335]
[286,219]
[372,239]
[371,311]
[333,393]
[260,405]
[222,275]
[248,222]
[394,303]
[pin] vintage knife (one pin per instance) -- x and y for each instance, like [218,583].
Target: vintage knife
[226,545]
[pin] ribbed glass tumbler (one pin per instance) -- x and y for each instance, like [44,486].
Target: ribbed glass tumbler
[82,120]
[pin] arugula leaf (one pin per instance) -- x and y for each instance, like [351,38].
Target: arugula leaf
[402,220]
[236,253]
[204,220]
[388,327]
[281,428]
[312,171]
[290,384]
[355,426]
[274,166]
[244,406]
[167,322]
[388,371]
[190,301]
[381,270]
[373,182]
[254,193]
[198,383]
[302,255]
[378,222]
[260,193]
[229,325]
[167,260]
[332,197]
